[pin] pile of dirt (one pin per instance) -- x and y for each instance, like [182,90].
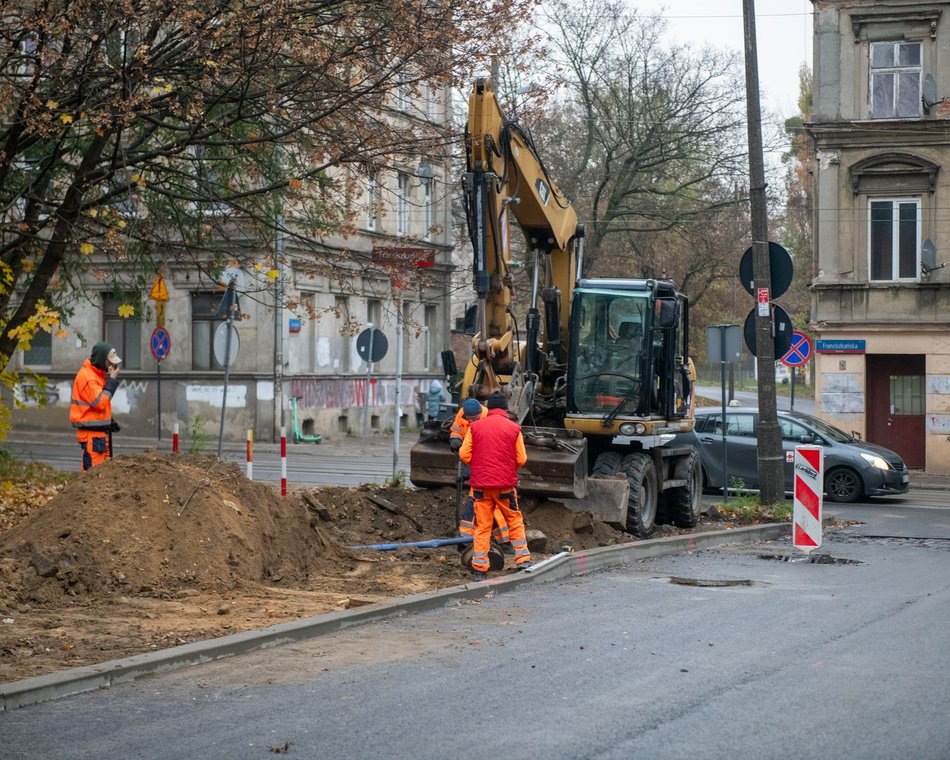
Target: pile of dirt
[149,550]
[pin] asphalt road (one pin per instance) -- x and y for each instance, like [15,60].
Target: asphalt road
[743,653]
[751,399]
[343,462]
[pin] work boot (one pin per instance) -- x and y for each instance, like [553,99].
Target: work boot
[478,575]
[524,566]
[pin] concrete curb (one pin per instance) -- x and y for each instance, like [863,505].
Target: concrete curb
[88,678]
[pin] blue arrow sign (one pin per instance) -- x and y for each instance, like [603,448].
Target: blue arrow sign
[160,343]
[799,350]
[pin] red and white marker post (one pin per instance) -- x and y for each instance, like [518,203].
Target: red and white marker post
[283,461]
[250,454]
[175,439]
[806,508]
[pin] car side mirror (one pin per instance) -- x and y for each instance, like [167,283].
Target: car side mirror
[806,438]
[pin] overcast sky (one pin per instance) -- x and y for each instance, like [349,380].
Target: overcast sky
[783,38]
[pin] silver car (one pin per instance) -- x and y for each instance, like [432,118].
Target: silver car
[854,469]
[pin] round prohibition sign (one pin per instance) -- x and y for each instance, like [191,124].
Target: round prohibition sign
[160,343]
[799,350]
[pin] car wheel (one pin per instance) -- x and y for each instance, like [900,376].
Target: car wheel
[684,503]
[843,485]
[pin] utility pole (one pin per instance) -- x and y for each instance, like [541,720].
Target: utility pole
[771,477]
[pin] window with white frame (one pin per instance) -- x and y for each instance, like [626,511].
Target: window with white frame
[432,103]
[210,186]
[403,90]
[374,313]
[894,239]
[204,322]
[428,328]
[373,200]
[341,308]
[402,204]
[895,80]
[427,209]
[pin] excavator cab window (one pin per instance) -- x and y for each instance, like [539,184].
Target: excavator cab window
[609,330]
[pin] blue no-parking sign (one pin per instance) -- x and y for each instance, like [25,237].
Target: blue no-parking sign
[799,350]
[160,343]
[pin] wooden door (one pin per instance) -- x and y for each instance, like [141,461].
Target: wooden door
[897,405]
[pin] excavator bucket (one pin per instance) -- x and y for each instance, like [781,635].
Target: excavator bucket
[556,468]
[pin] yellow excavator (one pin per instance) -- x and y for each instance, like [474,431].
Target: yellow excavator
[598,374]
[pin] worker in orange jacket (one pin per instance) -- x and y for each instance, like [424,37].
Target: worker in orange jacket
[494,449]
[90,407]
[470,411]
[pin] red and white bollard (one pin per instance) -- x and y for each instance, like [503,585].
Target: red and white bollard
[283,461]
[250,455]
[175,439]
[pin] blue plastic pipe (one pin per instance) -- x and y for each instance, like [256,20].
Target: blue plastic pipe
[431,543]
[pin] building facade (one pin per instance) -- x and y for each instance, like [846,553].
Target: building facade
[880,293]
[298,361]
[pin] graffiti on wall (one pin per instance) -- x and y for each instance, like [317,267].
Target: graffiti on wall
[355,392]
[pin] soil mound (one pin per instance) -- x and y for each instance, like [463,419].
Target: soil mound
[153,525]
[149,525]
[149,551]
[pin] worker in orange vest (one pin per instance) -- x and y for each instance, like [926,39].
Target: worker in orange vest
[494,449]
[90,407]
[470,411]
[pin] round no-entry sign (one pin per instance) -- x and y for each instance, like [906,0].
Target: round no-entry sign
[799,350]
[160,343]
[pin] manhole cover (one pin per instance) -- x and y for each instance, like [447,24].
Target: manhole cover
[707,582]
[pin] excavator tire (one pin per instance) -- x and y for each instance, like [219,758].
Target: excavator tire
[684,503]
[644,491]
[644,494]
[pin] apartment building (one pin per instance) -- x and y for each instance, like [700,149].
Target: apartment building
[880,291]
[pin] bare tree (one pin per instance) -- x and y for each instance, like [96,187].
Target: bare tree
[651,138]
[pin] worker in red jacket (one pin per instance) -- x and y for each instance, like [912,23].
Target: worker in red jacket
[470,411]
[90,407]
[494,449]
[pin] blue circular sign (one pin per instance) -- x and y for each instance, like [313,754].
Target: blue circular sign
[799,350]
[160,343]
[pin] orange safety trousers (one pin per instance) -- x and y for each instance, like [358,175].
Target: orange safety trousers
[505,500]
[95,449]
[466,524]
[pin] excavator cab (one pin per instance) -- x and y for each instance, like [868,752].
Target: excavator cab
[627,354]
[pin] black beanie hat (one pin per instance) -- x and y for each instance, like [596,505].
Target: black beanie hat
[99,357]
[497,401]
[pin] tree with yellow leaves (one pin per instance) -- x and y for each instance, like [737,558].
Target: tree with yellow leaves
[136,134]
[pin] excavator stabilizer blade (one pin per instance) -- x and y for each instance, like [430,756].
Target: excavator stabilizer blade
[556,468]
[606,500]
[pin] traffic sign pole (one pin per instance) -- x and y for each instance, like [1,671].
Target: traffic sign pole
[799,352]
[160,343]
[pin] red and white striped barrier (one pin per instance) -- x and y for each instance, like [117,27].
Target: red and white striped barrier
[175,439]
[283,461]
[250,454]
[806,507]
